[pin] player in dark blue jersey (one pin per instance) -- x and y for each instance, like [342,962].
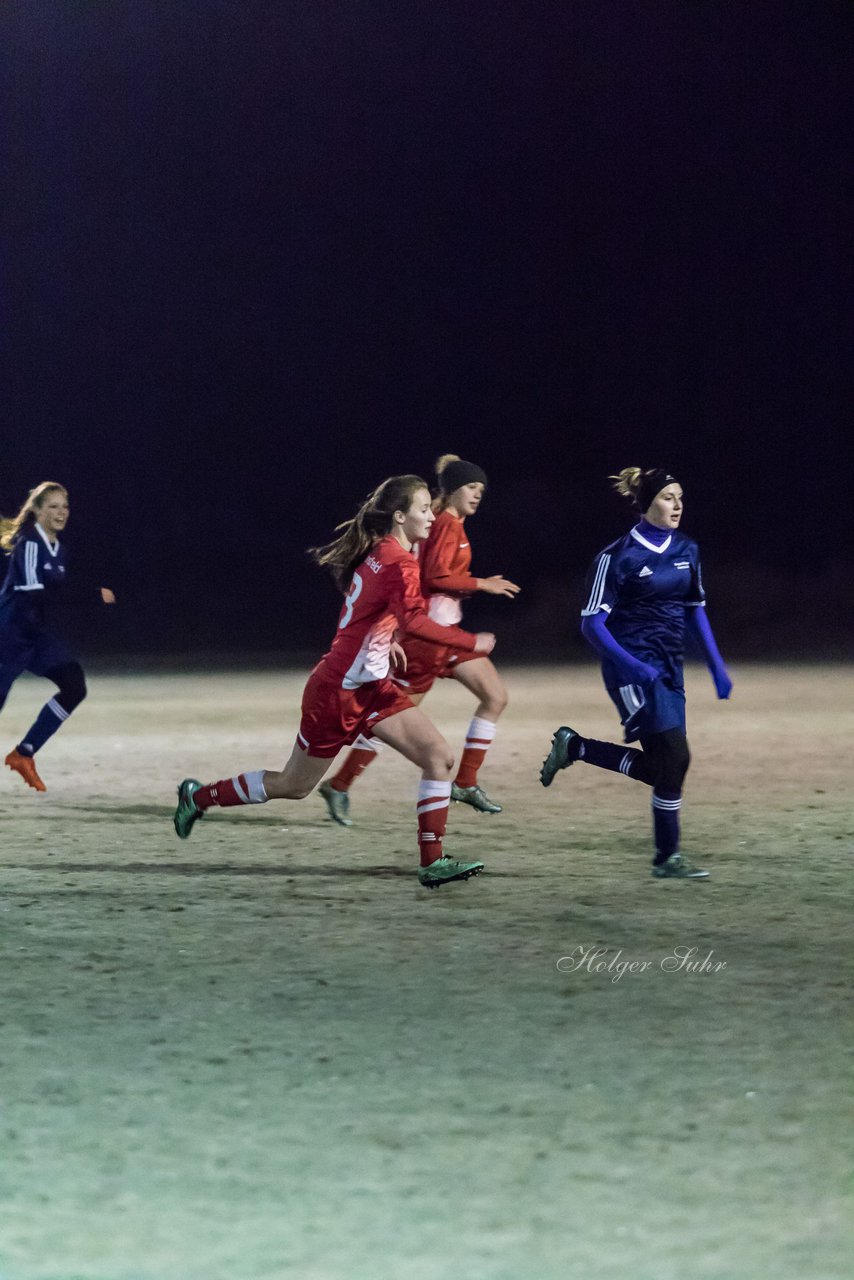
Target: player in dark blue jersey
[642,592]
[29,640]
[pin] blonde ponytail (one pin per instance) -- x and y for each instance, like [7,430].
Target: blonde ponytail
[627,483]
[440,499]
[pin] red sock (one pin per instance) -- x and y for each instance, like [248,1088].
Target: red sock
[433,801]
[229,792]
[479,736]
[353,767]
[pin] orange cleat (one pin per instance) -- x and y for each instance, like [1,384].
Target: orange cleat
[26,767]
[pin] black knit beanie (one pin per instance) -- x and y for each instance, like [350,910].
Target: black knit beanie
[459,473]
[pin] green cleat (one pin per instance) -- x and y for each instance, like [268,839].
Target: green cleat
[566,748]
[337,803]
[676,868]
[186,813]
[476,797]
[444,870]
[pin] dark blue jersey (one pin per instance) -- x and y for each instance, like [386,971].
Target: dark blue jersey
[645,590]
[34,580]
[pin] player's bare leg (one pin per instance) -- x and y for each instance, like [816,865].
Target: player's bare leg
[418,739]
[299,777]
[481,678]
[296,780]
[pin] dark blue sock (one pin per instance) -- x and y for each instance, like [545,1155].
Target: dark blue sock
[51,716]
[608,755]
[665,822]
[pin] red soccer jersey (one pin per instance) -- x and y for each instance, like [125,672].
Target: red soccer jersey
[384,595]
[445,558]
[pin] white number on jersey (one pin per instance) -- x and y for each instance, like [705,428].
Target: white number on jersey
[350,599]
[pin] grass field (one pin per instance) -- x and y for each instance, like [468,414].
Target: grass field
[267,1052]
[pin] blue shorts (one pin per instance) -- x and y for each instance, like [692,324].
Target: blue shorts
[644,712]
[26,650]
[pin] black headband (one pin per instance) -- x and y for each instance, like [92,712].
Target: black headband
[651,483]
[458,473]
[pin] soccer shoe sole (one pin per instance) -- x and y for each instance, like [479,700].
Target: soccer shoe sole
[327,791]
[445,870]
[186,813]
[558,757]
[476,798]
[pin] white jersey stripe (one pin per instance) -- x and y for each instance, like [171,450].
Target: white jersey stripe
[32,564]
[598,588]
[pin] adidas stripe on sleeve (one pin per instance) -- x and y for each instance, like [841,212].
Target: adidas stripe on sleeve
[600,586]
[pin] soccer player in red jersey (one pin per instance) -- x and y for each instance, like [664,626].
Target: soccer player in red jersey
[445,560]
[350,693]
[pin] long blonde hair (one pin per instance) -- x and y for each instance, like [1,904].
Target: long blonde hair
[11,527]
[373,520]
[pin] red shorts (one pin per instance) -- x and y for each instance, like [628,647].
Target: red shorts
[427,662]
[333,717]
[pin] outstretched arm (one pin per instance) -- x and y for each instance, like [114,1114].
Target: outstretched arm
[498,585]
[632,670]
[701,629]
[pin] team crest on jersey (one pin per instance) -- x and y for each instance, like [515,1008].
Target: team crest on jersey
[373,564]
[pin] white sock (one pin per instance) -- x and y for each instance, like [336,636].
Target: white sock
[480,733]
[255,786]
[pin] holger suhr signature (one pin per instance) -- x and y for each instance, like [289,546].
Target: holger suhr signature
[592,959]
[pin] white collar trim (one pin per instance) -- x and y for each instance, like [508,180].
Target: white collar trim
[53,547]
[650,546]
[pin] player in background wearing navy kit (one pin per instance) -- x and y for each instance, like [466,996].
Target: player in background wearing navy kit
[35,583]
[350,693]
[444,560]
[642,591]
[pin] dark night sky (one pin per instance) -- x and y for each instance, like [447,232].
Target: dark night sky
[257,256]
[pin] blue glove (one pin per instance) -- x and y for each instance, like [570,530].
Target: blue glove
[699,624]
[723,683]
[645,675]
